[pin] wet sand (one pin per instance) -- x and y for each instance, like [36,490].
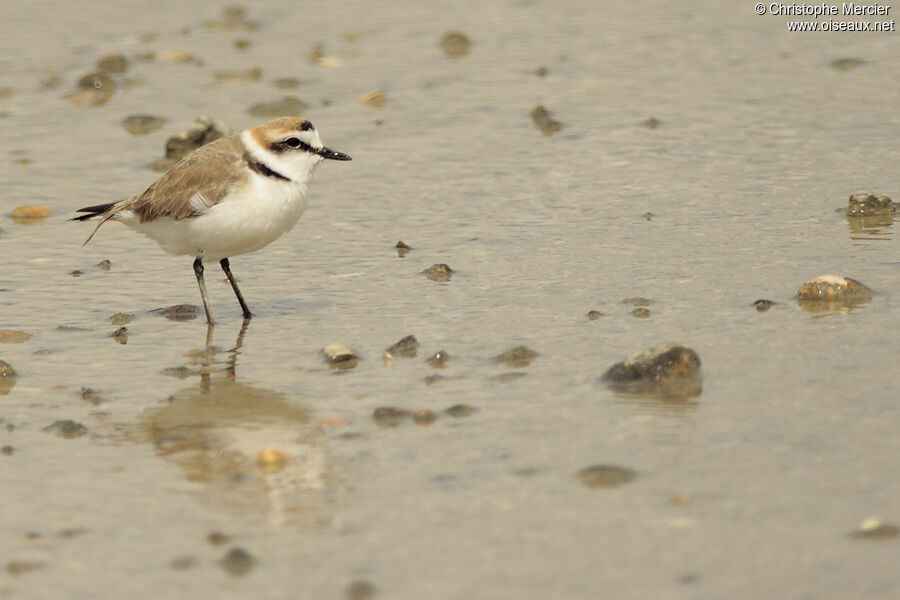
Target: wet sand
[249,440]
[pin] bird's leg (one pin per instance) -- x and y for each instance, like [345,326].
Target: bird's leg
[237,292]
[198,271]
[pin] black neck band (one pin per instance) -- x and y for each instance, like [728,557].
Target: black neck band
[262,169]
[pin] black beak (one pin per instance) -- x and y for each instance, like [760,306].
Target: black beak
[332,154]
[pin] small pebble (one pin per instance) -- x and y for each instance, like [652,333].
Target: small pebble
[390,416]
[182,563]
[641,313]
[637,301]
[762,305]
[13,336]
[287,83]
[510,377]
[518,357]
[66,428]
[217,538]
[424,417]
[869,204]
[237,562]
[459,411]
[874,528]
[375,99]
[593,315]
[406,348]
[7,378]
[113,63]
[339,356]
[120,335]
[542,71]
[541,117]
[238,77]
[97,81]
[438,360]
[288,105]
[605,476]
[76,273]
[29,214]
[7,450]
[120,319]
[833,287]
[242,44]
[204,130]
[177,56]
[178,312]
[272,461]
[178,372]
[233,16]
[433,379]
[104,265]
[847,64]
[402,249]
[142,124]
[316,53]
[89,395]
[670,370]
[455,44]
[20,567]
[651,123]
[360,590]
[438,272]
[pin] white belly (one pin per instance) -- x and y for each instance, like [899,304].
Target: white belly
[242,222]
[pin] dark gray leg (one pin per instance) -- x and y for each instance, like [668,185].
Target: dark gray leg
[198,271]
[237,292]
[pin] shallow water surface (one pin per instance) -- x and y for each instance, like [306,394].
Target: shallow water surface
[202,441]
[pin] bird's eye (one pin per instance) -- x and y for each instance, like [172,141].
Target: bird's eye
[293,142]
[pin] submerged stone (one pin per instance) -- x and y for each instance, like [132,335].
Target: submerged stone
[390,416]
[869,204]
[402,248]
[237,562]
[439,272]
[66,428]
[833,287]
[360,590]
[204,130]
[874,528]
[438,360]
[112,63]
[339,356]
[142,124]
[541,117]
[455,44]
[7,377]
[518,357]
[665,370]
[406,347]
[763,305]
[178,312]
[605,476]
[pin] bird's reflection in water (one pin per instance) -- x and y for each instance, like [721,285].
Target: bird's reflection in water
[254,451]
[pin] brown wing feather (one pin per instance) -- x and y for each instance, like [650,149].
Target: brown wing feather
[205,175]
[198,181]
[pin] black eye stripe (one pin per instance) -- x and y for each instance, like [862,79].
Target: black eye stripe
[295,144]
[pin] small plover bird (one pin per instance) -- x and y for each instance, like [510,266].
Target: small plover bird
[231,196]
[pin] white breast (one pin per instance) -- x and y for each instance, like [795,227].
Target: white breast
[247,219]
